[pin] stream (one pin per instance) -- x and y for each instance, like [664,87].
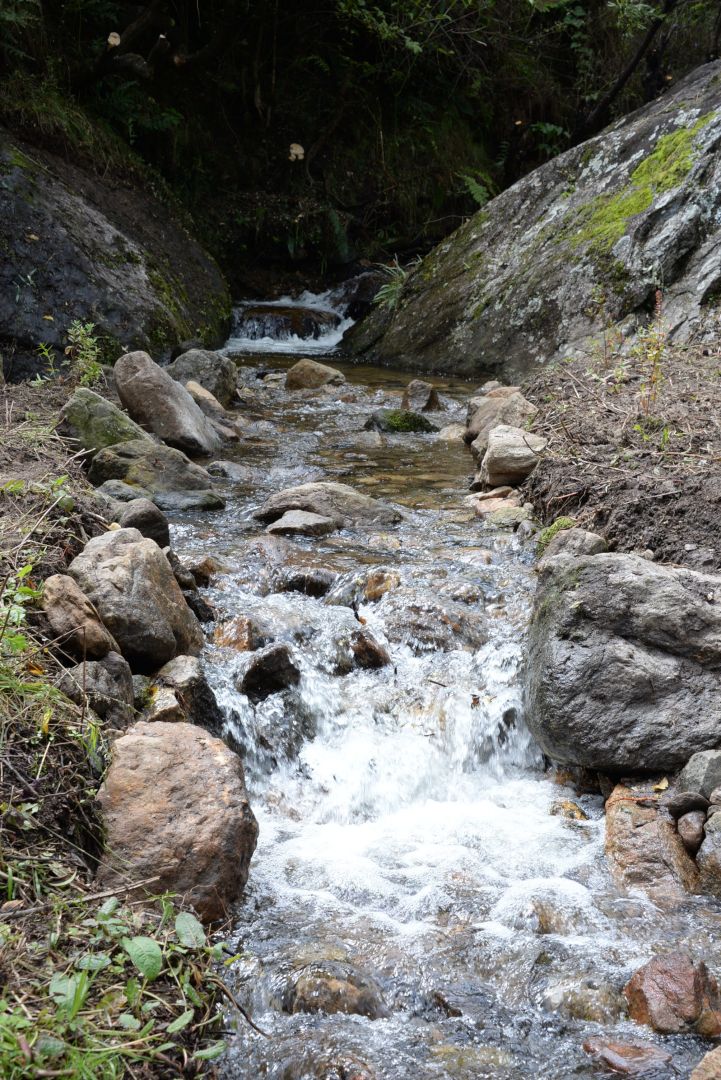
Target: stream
[413,851]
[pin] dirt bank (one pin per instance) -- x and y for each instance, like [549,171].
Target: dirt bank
[634,446]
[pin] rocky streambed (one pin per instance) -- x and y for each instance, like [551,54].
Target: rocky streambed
[429,896]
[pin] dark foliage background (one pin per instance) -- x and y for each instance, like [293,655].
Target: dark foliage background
[407,114]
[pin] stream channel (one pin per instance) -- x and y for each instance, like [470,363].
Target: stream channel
[411,851]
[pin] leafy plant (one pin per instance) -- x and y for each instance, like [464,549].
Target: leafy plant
[477,189]
[390,291]
[83,353]
[650,351]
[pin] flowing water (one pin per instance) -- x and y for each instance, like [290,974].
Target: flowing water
[411,852]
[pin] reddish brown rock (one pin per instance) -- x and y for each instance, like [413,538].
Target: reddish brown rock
[380,582]
[176,809]
[709,1067]
[642,846]
[241,634]
[368,652]
[625,1058]
[674,995]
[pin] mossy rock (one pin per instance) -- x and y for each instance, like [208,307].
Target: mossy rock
[571,250]
[399,421]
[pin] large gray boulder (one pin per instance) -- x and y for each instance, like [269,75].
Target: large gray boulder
[213,371]
[80,245]
[95,422]
[339,502]
[162,405]
[624,663]
[142,469]
[519,283]
[130,582]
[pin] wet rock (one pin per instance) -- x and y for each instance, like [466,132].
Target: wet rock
[566,808]
[379,582]
[160,473]
[709,1067]
[506,517]
[231,470]
[106,686]
[368,440]
[339,502]
[690,829]
[368,652]
[242,634]
[271,670]
[311,581]
[674,995]
[74,621]
[279,322]
[309,375]
[679,803]
[341,1066]
[214,372]
[623,661]
[180,691]
[575,542]
[162,405]
[626,1058]
[643,849]
[583,999]
[302,523]
[181,573]
[702,773]
[425,621]
[334,987]
[175,808]
[485,507]
[203,568]
[509,408]
[95,422]
[451,433]
[420,396]
[708,858]
[203,611]
[511,457]
[129,580]
[399,420]
[148,519]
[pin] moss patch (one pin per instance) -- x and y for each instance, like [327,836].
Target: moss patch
[603,221]
[548,533]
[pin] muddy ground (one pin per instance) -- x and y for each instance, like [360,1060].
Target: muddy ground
[634,450]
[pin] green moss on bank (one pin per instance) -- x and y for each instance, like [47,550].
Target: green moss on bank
[548,533]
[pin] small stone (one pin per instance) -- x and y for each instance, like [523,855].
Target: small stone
[203,570]
[702,773]
[674,995]
[271,670]
[368,652]
[231,470]
[399,421]
[203,611]
[715,797]
[148,519]
[379,582]
[183,680]
[309,375]
[512,455]
[568,809]
[708,857]
[311,581]
[485,507]
[334,987]
[507,517]
[679,803]
[451,433]
[301,523]
[420,396]
[206,402]
[106,686]
[626,1058]
[574,542]
[690,829]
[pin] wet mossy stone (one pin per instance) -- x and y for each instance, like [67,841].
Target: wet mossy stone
[399,421]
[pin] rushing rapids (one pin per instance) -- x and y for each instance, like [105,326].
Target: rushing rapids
[426,901]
